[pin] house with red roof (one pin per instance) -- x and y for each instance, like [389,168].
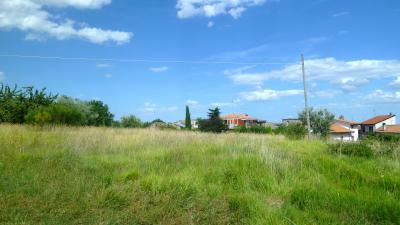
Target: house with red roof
[234,120]
[378,124]
[344,130]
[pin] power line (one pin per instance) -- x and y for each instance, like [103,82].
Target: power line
[138,60]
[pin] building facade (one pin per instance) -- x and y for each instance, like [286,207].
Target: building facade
[235,120]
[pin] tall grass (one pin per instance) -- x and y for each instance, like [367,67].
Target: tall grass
[125,176]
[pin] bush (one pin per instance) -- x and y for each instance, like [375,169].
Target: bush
[294,131]
[164,126]
[58,114]
[361,149]
[383,138]
[131,121]
[254,129]
[16,103]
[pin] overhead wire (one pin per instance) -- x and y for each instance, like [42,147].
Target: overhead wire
[127,60]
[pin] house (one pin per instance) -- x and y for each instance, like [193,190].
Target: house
[195,124]
[234,120]
[389,129]
[343,130]
[374,124]
[182,124]
[288,121]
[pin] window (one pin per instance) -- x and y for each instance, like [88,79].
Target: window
[371,129]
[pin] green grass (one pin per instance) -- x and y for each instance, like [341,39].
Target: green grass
[119,176]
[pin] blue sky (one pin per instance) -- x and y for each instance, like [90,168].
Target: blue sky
[253,46]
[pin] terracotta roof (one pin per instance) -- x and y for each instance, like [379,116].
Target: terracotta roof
[237,116]
[335,128]
[389,129]
[346,121]
[377,119]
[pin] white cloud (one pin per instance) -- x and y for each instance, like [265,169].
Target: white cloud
[396,83]
[103,65]
[211,8]
[151,108]
[348,75]
[340,14]
[108,75]
[192,102]
[159,69]
[33,18]
[379,96]
[267,94]
[325,93]
[2,76]
[222,104]
[210,24]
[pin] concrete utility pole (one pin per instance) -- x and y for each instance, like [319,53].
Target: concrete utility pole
[305,97]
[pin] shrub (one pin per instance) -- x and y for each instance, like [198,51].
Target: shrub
[361,149]
[16,103]
[294,131]
[131,121]
[214,122]
[59,114]
[383,137]
[254,129]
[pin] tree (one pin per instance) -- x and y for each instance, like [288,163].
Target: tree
[130,121]
[214,123]
[294,131]
[15,103]
[100,115]
[56,114]
[188,121]
[320,121]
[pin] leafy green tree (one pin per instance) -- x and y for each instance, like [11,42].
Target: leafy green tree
[214,123]
[188,121]
[157,121]
[320,121]
[56,114]
[294,131]
[15,103]
[99,114]
[131,121]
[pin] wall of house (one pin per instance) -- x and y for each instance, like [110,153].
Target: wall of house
[342,137]
[354,134]
[390,121]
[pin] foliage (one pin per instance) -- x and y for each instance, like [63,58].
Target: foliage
[188,120]
[131,121]
[145,176]
[100,114]
[320,121]
[164,126]
[257,129]
[293,131]
[389,138]
[214,123]
[361,149]
[15,103]
[59,114]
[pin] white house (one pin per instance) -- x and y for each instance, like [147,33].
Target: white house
[343,130]
[373,124]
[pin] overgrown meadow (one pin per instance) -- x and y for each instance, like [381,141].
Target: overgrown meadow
[62,175]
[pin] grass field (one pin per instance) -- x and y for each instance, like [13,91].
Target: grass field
[119,176]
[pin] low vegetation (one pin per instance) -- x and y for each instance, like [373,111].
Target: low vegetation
[66,175]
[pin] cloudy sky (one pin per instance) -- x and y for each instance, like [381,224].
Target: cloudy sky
[151,58]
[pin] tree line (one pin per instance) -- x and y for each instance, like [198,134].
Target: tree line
[38,107]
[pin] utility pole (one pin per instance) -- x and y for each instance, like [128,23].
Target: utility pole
[305,97]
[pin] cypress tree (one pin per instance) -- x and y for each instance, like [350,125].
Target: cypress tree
[188,121]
